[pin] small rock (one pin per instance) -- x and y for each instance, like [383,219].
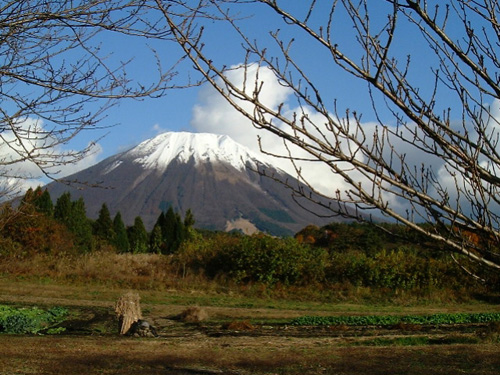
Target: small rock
[142,328]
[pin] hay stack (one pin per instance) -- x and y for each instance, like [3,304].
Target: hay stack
[193,314]
[128,311]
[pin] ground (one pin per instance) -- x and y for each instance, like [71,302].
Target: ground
[240,336]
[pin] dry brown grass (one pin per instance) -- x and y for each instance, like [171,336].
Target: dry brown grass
[138,271]
[162,273]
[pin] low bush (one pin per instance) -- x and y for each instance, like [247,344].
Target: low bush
[403,269]
[269,260]
[263,266]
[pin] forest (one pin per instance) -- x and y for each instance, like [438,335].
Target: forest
[341,260]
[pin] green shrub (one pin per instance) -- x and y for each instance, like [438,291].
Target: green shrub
[269,260]
[403,268]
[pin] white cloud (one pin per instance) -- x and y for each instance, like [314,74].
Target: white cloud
[18,174]
[213,114]
[157,129]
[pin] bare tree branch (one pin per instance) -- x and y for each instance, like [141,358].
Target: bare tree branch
[56,80]
[444,115]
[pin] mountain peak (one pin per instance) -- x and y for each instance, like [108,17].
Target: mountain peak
[201,172]
[159,152]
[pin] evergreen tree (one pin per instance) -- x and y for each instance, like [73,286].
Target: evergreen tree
[179,233]
[120,234]
[188,225]
[38,200]
[156,243]
[43,202]
[161,222]
[138,236]
[62,210]
[103,226]
[172,231]
[81,226]
[168,227]
[189,219]
[28,198]
[159,244]
[74,216]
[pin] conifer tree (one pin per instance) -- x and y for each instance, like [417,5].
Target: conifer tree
[74,216]
[43,202]
[189,219]
[39,200]
[120,234]
[138,236]
[156,243]
[80,225]
[168,228]
[103,226]
[179,232]
[172,231]
[161,222]
[160,231]
[62,209]
[188,225]
[27,198]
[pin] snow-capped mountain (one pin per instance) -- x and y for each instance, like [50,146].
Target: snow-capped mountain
[210,174]
[159,152]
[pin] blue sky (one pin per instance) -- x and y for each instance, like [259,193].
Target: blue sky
[138,120]
[199,109]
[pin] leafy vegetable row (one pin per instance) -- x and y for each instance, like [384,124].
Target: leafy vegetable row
[30,320]
[387,320]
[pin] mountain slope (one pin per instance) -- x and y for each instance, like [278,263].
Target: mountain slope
[211,175]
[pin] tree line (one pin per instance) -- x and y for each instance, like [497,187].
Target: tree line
[66,224]
[346,257]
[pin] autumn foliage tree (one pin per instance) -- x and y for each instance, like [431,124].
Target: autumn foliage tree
[29,229]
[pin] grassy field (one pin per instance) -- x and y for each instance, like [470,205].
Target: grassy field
[241,335]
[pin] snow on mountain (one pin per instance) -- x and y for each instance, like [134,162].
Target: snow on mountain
[159,152]
[209,174]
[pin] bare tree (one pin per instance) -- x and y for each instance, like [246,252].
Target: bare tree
[437,106]
[56,78]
